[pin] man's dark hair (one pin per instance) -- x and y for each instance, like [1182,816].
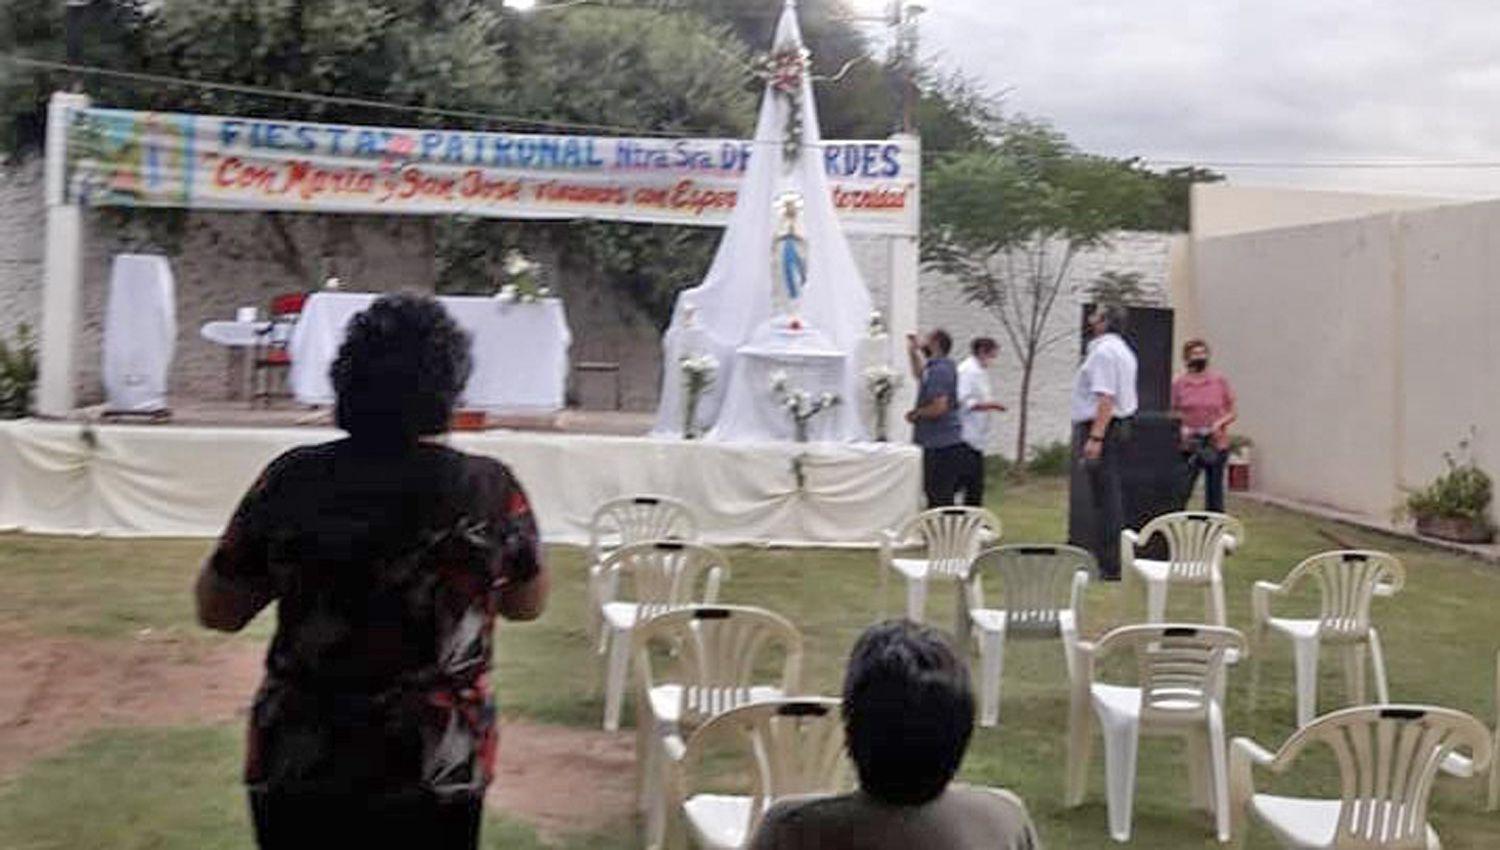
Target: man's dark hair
[942,340]
[1192,344]
[908,712]
[983,345]
[400,371]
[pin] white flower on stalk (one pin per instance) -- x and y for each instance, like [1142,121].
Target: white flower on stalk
[333,283]
[517,263]
[779,381]
[507,294]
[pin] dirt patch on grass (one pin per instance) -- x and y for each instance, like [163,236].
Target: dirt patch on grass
[53,691]
[561,779]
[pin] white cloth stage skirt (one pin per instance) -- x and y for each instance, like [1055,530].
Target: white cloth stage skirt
[133,480]
[520,350]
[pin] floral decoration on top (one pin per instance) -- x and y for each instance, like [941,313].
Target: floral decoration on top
[784,71]
[881,382]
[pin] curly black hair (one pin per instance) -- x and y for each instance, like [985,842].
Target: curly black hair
[401,369]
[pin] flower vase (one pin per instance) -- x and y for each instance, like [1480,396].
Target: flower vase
[690,415]
[801,424]
[881,409]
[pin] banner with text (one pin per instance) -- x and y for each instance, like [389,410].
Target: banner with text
[152,159]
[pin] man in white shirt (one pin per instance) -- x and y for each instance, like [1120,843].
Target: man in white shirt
[976,406]
[1104,404]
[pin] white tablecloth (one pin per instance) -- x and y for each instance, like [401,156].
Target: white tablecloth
[234,334]
[520,350]
[140,332]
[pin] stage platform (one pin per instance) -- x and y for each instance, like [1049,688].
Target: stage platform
[183,478]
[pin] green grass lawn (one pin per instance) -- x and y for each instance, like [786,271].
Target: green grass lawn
[172,788]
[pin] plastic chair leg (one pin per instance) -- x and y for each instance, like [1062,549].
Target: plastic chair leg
[1219,766]
[1493,801]
[1199,772]
[1217,614]
[1070,647]
[1121,744]
[615,674]
[1305,659]
[992,664]
[1156,601]
[1377,663]
[1080,752]
[916,599]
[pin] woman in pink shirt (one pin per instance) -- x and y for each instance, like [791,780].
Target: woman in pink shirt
[1204,405]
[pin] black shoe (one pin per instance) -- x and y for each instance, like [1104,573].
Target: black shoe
[1109,576]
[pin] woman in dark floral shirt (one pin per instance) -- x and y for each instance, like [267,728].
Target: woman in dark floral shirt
[388,555]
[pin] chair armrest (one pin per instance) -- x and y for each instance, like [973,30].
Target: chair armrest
[1455,764]
[1386,589]
[1260,600]
[1244,754]
[1231,544]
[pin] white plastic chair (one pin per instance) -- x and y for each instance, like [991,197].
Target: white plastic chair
[796,747]
[1041,597]
[1387,757]
[951,537]
[625,520]
[664,574]
[1178,692]
[1460,765]
[714,660]
[1197,542]
[1347,581]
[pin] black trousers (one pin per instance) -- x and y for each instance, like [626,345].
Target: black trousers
[1213,475]
[942,469]
[1105,493]
[285,821]
[971,477]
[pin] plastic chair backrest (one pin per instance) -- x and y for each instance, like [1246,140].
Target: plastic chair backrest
[665,574]
[632,519]
[1388,757]
[1347,580]
[1195,541]
[1035,583]
[717,650]
[952,536]
[1178,666]
[796,745]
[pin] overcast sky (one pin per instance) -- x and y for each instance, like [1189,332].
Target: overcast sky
[1220,81]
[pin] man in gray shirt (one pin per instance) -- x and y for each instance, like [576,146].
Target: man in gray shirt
[936,425]
[908,716]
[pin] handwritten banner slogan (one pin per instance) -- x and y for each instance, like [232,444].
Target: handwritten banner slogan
[123,158]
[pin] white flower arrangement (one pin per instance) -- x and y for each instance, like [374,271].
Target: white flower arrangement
[877,324]
[800,404]
[520,280]
[333,284]
[698,373]
[881,383]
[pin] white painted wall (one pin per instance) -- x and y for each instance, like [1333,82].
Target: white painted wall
[1361,348]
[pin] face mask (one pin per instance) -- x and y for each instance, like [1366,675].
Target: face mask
[1198,364]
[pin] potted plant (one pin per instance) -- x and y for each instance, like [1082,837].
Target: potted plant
[1238,465]
[1455,506]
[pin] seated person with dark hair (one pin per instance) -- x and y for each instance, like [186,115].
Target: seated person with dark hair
[908,715]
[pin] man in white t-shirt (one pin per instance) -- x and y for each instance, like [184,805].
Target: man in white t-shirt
[1104,405]
[976,408]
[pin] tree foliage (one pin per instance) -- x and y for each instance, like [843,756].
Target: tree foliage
[1007,222]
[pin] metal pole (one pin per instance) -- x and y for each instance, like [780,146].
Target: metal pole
[73,12]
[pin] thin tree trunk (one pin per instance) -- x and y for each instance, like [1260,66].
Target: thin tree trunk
[1024,411]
